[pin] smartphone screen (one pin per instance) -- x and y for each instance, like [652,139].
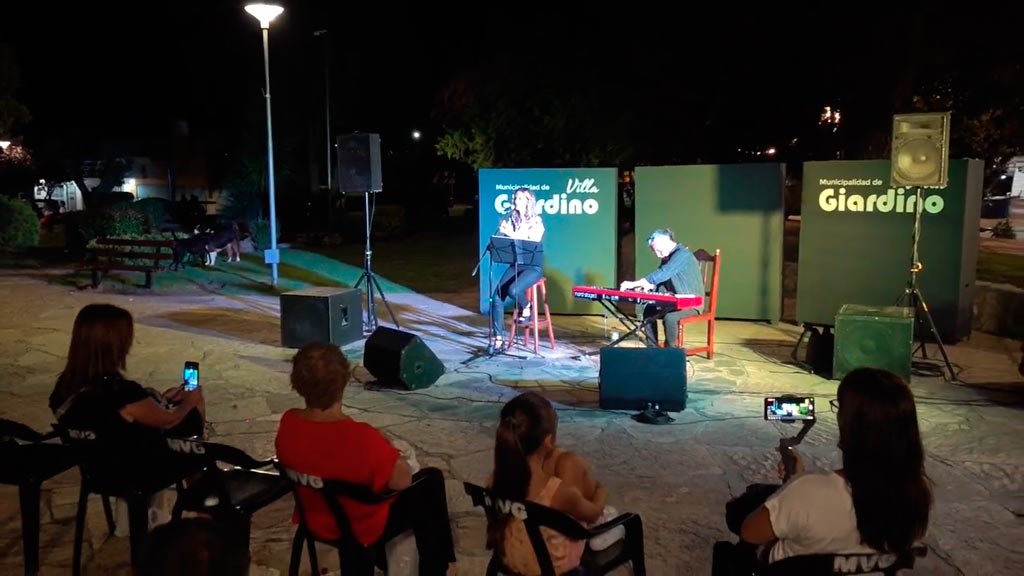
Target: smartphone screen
[789,408]
[190,375]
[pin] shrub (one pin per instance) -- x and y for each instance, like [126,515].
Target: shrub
[154,208]
[388,222]
[118,221]
[19,226]
[260,231]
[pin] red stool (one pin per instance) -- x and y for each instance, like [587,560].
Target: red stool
[535,321]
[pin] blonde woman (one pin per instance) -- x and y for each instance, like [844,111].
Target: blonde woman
[522,223]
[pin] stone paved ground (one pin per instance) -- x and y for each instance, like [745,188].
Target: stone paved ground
[677,477]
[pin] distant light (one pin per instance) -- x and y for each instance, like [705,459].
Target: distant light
[770,151]
[416,134]
[1003,177]
[264,13]
[4,144]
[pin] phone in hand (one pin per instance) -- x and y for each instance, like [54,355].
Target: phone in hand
[190,375]
[789,408]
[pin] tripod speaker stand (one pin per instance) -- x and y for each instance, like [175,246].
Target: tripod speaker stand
[912,296]
[371,280]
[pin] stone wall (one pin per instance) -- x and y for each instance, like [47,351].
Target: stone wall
[999,310]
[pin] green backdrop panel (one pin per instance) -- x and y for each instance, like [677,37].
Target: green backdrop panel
[578,206]
[856,237]
[737,209]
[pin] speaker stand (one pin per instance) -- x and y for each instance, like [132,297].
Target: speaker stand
[913,297]
[371,280]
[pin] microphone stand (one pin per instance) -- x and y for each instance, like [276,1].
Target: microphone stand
[490,351]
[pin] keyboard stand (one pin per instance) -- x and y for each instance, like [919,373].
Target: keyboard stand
[626,320]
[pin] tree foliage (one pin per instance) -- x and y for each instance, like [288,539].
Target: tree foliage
[12,112]
[987,120]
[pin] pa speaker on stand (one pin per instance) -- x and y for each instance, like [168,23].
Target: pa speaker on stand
[920,158]
[359,172]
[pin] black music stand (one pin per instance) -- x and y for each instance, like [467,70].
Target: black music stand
[511,251]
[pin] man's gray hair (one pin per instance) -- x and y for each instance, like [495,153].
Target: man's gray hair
[660,232]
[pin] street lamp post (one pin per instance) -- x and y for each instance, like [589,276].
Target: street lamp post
[327,114]
[265,13]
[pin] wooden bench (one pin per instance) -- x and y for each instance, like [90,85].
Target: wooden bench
[127,254]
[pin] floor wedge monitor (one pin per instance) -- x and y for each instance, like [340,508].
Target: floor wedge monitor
[401,359]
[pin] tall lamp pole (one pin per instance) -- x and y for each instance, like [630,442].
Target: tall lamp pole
[265,13]
[327,114]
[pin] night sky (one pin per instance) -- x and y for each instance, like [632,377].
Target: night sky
[113,77]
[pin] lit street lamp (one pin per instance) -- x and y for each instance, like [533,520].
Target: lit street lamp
[265,13]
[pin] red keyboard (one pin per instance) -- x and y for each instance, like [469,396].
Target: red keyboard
[681,301]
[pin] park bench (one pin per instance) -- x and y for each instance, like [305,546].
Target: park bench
[127,254]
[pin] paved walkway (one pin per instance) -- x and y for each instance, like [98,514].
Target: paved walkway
[677,477]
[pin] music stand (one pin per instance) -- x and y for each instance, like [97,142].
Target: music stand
[511,251]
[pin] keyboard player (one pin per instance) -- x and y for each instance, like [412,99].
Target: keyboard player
[679,273]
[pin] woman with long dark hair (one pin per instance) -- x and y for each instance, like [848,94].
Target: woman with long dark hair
[522,223]
[92,392]
[879,500]
[525,439]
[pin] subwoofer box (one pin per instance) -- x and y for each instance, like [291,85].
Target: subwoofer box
[873,337]
[630,378]
[332,315]
[397,358]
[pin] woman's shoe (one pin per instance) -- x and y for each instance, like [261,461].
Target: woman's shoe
[524,316]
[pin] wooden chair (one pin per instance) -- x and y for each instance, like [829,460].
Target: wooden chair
[709,267]
[536,323]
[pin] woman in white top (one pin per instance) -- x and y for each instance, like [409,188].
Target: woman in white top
[523,223]
[878,501]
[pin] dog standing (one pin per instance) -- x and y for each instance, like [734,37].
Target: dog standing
[182,247]
[226,239]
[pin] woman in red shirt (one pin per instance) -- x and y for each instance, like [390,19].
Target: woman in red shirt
[320,440]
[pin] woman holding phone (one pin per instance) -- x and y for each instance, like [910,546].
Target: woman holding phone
[93,394]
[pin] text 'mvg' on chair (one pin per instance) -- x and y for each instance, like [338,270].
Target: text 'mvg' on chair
[533,515]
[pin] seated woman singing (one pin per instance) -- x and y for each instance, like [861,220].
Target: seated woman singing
[522,223]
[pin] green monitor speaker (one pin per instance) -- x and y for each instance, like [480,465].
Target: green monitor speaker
[400,359]
[873,337]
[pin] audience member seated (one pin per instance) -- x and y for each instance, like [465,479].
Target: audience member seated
[194,547]
[322,441]
[878,501]
[526,461]
[93,394]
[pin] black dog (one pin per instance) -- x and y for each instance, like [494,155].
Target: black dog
[182,247]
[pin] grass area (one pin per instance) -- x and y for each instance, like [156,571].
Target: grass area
[428,265]
[1001,268]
